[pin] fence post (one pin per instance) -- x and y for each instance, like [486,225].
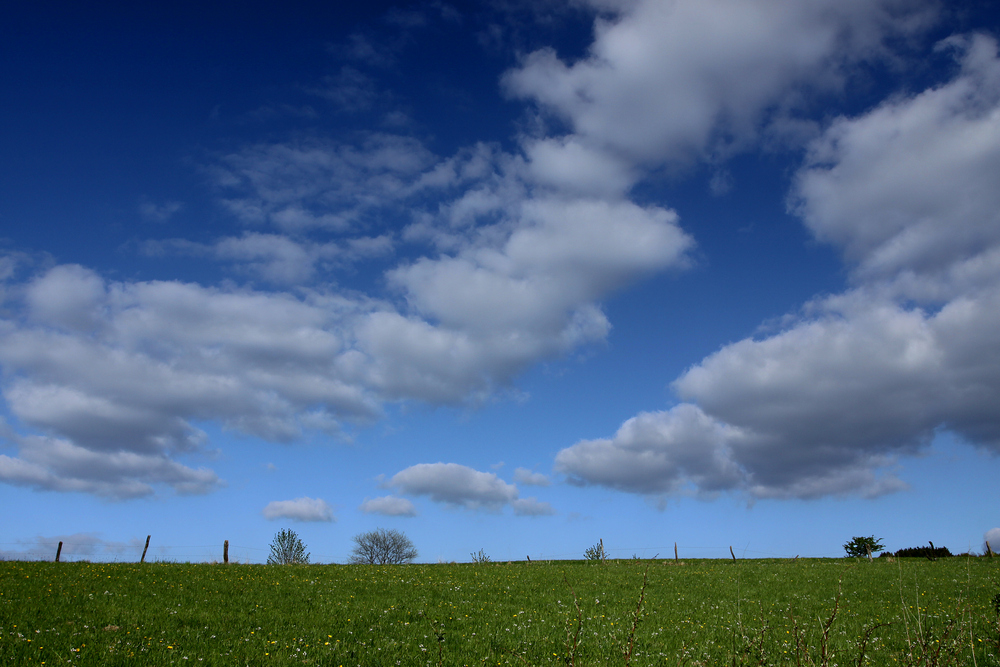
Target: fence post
[225,552]
[989,552]
[675,551]
[143,559]
[58,551]
[602,551]
[732,554]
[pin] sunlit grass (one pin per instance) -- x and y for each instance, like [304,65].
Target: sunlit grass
[768,612]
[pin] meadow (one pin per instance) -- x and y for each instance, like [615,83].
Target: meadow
[629,612]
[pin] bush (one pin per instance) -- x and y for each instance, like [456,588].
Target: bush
[382,547]
[287,549]
[860,546]
[923,552]
[596,552]
[480,558]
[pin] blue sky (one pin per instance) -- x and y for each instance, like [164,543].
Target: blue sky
[511,276]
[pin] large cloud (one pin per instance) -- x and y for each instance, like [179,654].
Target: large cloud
[908,190]
[861,378]
[665,81]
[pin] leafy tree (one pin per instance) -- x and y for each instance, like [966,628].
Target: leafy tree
[382,547]
[860,546]
[287,549]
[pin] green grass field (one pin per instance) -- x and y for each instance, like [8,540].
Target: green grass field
[700,612]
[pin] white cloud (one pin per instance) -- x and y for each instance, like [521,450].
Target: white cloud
[909,189]
[681,450]
[529,478]
[300,509]
[456,485]
[58,465]
[857,380]
[388,506]
[665,81]
[460,486]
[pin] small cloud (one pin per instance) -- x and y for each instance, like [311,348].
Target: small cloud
[529,478]
[300,509]
[270,467]
[497,466]
[388,506]
[721,183]
[532,507]
[158,212]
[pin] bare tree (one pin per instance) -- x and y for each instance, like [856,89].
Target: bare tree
[382,547]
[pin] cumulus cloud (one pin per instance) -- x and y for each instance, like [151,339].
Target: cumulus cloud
[456,485]
[908,189]
[667,81]
[460,486]
[856,380]
[389,506]
[300,509]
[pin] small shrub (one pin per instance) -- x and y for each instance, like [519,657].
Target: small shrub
[595,552]
[480,558]
[287,549]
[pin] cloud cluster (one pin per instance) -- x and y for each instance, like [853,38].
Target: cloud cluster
[300,509]
[110,377]
[456,485]
[507,257]
[907,190]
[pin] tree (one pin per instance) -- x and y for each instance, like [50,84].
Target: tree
[862,546]
[382,547]
[287,549]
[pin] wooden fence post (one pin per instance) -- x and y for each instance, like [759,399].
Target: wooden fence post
[732,554]
[602,551]
[675,551]
[989,552]
[58,551]
[143,559]
[225,552]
